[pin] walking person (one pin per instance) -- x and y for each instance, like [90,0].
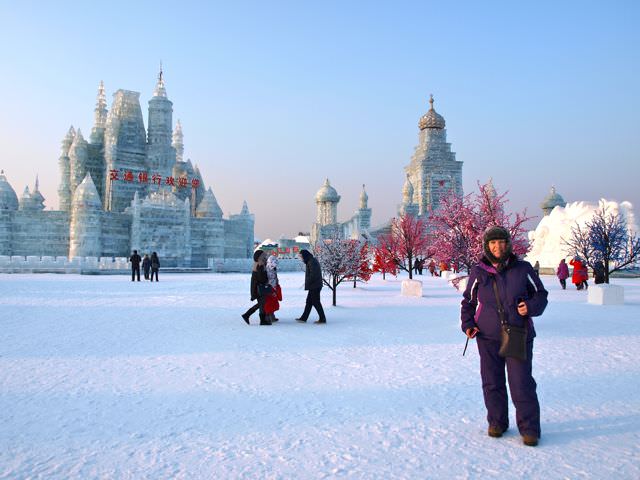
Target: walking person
[272,300]
[562,272]
[135,265]
[146,266]
[536,267]
[259,287]
[313,284]
[504,291]
[432,267]
[580,275]
[155,266]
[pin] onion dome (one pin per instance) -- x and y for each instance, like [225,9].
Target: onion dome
[327,193]
[8,197]
[209,206]
[551,201]
[364,198]
[431,119]
[86,195]
[407,191]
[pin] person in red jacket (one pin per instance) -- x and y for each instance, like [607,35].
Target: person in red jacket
[580,274]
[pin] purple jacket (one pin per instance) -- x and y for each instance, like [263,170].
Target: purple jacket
[563,271]
[516,281]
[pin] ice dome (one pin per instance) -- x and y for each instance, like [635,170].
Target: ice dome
[8,197]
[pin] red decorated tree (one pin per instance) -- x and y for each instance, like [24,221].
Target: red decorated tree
[384,259]
[408,240]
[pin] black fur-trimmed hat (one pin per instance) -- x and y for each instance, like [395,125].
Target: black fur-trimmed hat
[496,233]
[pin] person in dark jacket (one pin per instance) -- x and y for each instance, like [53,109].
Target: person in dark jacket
[598,272]
[312,283]
[259,287]
[155,266]
[135,265]
[146,265]
[522,296]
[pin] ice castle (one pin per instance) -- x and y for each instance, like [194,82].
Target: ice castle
[125,188]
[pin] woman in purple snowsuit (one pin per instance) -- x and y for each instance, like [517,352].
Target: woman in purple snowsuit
[522,296]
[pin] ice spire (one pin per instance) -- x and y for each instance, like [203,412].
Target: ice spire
[178,142]
[364,198]
[101,107]
[160,90]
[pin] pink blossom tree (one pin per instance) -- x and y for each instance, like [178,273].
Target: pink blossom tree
[460,222]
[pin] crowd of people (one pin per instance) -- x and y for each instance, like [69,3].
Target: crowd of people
[265,288]
[580,275]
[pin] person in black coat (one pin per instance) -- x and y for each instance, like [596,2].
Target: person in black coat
[146,265]
[312,283]
[135,265]
[259,287]
[155,266]
[598,272]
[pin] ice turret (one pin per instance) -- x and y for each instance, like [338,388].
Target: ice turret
[364,198]
[209,206]
[78,158]
[178,142]
[100,117]
[8,205]
[64,189]
[160,114]
[86,215]
[327,199]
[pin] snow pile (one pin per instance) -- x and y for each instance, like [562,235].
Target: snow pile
[547,246]
[104,378]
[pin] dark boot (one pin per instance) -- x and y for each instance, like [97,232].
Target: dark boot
[245,317]
[495,431]
[301,320]
[264,320]
[530,440]
[321,321]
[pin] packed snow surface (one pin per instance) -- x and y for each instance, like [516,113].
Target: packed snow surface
[104,378]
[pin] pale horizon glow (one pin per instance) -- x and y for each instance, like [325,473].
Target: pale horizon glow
[274,98]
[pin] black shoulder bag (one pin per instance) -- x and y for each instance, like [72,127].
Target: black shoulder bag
[513,341]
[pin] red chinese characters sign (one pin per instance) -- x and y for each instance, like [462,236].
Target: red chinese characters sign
[156,179]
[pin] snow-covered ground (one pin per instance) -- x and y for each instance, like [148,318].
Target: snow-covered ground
[102,378]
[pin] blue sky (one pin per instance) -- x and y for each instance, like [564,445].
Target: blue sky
[276,96]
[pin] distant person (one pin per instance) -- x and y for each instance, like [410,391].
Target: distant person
[536,267]
[432,268]
[420,265]
[562,273]
[313,284]
[135,265]
[259,287]
[146,266]
[272,301]
[155,266]
[598,272]
[580,275]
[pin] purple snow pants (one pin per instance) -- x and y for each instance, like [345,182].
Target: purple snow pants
[521,385]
